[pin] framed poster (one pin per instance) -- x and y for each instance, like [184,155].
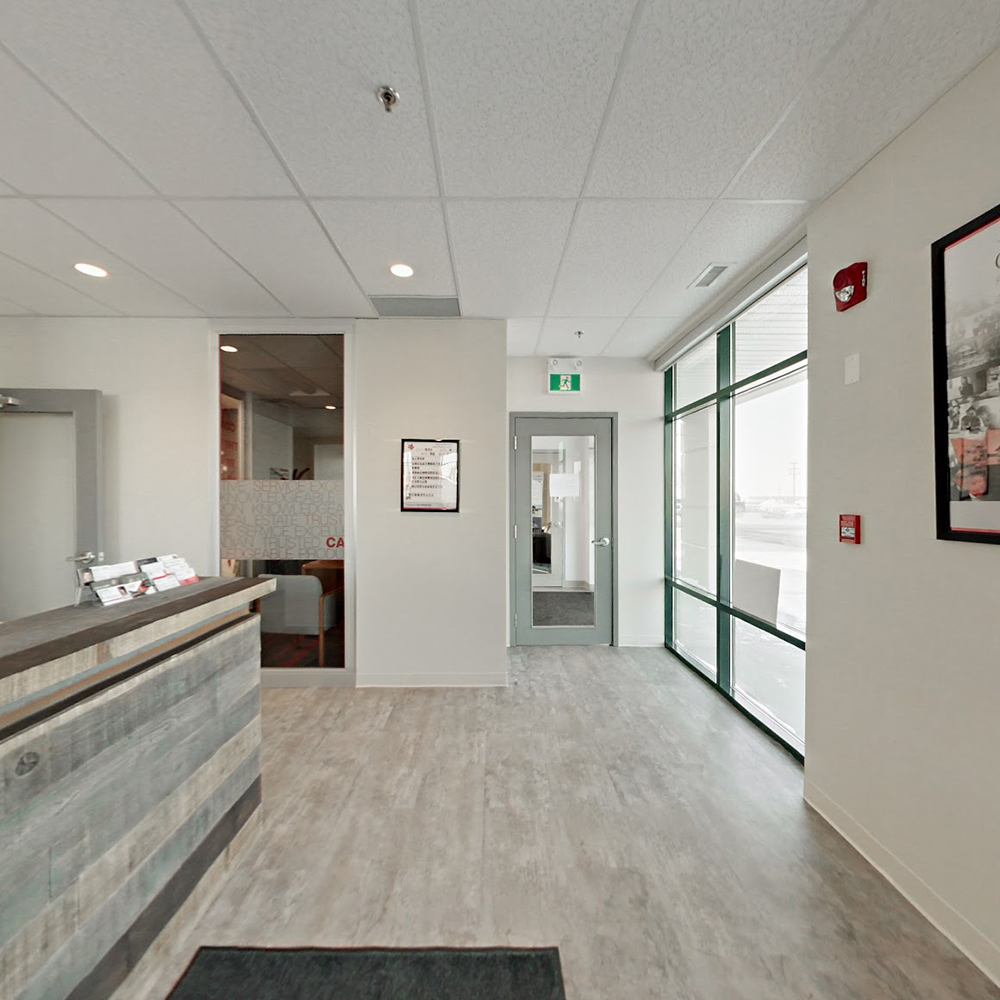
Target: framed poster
[429,475]
[965,278]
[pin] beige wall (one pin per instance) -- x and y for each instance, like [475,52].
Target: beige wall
[431,588]
[635,392]
[903,681]
[160,380]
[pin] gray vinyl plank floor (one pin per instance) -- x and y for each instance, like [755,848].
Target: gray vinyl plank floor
[607,802]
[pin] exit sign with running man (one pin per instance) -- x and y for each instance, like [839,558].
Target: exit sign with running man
[564,383]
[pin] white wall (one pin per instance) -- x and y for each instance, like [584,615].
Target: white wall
[431,588]
[272,446]
[635,392]
[161,421]
[328,461]
[902,733]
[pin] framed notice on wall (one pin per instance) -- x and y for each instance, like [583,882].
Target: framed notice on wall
[429,475]
[965,277]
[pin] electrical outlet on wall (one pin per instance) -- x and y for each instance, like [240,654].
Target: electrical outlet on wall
[852,369]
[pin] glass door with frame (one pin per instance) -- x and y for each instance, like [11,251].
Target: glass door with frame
[562,533]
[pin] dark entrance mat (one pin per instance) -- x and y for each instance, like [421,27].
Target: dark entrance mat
[372,974]
[563,607]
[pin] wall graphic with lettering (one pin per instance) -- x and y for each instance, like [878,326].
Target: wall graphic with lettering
[275,519]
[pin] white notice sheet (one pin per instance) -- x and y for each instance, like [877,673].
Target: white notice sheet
[430,475]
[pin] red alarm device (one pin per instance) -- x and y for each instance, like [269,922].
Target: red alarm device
[850,285]
[850,528]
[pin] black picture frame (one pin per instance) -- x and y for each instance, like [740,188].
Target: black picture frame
[969,471]
[408,444]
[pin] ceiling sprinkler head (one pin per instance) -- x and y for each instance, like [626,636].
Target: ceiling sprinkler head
[388,96]
[579,334]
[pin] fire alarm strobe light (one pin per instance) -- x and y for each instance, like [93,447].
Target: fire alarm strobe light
[850,285]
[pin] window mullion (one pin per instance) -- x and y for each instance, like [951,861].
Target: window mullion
[724,498]
[668,493]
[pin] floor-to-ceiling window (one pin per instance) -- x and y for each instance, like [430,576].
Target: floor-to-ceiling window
[737,464]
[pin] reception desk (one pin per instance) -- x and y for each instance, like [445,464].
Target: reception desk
[130,755]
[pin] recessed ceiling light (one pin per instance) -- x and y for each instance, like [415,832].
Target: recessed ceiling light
[91,269]
[401,270]
[331,407]
[228,348]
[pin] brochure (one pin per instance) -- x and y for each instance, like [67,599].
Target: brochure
[114,594]
[179,567]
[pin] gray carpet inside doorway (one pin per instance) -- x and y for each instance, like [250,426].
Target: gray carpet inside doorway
[563,607]
[372,974]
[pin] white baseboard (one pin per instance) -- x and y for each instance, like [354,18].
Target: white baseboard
[960,931]
[434,680]
[296,677]
[641,640]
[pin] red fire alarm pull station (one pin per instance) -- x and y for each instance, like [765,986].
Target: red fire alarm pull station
[850,528]
[850,285]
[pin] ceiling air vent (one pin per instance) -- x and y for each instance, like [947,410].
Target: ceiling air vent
[710,274]
[416,305]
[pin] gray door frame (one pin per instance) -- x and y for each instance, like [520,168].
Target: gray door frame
[512,507]
[85,407]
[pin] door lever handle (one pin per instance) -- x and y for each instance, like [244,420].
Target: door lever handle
[603,542]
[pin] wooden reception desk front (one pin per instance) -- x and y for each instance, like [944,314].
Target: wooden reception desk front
[130,755]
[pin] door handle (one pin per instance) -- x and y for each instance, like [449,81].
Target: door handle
[603,542]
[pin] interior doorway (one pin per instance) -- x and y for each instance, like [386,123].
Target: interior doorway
[562,529]
[283,492]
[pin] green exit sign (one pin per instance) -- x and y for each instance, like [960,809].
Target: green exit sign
[564,383]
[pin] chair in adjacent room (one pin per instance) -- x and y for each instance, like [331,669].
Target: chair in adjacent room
[300,606]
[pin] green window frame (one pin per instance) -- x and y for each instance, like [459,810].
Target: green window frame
[726,613]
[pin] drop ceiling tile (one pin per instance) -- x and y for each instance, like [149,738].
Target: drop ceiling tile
[335,342]
[519,89]
[12,309]
[331,380]
[249,355]
[141,76]
[559,336]
[507,253]
[29,289]
[282,381]
[311,69]
[283,246]
[305,352]
[615,252]
[522,335]
[904,56]
[38,238]
[236,379]
[637,337]
[46,150]
[703,84]
[155,237]
[374,234]
[734,233]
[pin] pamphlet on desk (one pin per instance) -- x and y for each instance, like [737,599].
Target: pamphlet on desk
[115,583]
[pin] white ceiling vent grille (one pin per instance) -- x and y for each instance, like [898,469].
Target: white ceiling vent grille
[710,274]
[416,305]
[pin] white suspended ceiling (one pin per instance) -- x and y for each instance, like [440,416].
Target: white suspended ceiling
[570,166]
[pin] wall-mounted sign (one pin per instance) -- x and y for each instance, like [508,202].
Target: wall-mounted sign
[564,383]
[429,477]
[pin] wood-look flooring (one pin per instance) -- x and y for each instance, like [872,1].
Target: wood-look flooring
[608,802]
